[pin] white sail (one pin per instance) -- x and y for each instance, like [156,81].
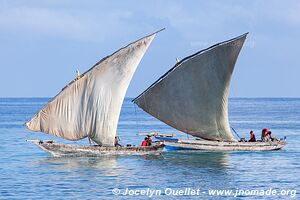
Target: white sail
[90,105]
[193,96]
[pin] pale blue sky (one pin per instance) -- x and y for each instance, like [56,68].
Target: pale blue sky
[43,42]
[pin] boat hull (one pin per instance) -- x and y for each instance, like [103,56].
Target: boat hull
[60,150]
[203,145]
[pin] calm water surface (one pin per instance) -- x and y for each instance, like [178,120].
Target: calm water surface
[26,172]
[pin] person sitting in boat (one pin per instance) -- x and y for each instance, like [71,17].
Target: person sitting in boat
[264,135]
[252,137]
[145,142]
[117,139]
[270,137]
[149,140]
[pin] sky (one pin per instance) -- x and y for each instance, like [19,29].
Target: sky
[43,42]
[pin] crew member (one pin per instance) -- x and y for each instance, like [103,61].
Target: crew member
[149,140]
[117,139]
[252,137]
[269,134]
[264,136]
[145,142]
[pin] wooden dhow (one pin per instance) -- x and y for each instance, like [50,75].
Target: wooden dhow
[90,105]
[192,97]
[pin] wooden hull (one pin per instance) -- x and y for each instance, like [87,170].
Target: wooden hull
[59,150]
[203,145]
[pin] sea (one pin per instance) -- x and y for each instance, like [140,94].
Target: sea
[27,172]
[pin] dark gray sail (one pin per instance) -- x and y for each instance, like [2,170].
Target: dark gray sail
[193,95]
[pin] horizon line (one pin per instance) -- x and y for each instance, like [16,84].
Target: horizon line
[274,97]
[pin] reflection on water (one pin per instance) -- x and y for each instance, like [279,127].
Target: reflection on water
[111,165]
[216,160]
[107,165]
[153,157]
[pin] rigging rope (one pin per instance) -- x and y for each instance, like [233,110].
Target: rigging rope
[136,119]
[235,132]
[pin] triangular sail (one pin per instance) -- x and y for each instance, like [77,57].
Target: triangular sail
[91,105]
[193,96]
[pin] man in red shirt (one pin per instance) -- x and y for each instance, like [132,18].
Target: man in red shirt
[145,142]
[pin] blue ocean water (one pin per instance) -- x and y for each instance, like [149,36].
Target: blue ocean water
[26,172]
